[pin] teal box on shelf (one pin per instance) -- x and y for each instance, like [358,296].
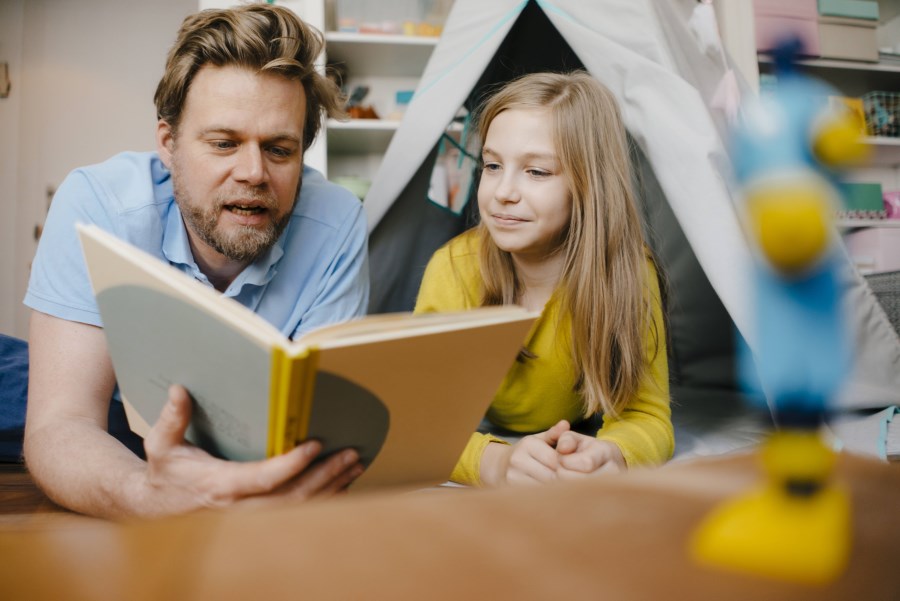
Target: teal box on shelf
[855,9]
[862,200]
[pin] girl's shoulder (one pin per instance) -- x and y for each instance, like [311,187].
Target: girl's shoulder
[655,277]
[452,280]
[460,252]
[464,245]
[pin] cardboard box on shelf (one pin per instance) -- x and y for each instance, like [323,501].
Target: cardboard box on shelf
[848,39]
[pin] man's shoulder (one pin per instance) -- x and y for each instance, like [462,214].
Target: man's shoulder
[326,202]
[129,180]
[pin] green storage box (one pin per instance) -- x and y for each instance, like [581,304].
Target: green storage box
[855,9]
[862,201]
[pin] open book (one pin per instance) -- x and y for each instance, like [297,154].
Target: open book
[406,391]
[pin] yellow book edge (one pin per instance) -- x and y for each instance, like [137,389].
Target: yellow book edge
[290,398]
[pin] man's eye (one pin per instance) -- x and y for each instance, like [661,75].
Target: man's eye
[222,144]
[280,152]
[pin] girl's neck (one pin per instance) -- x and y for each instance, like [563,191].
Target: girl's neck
[539,279]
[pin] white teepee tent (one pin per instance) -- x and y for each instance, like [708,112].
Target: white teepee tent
[647,54]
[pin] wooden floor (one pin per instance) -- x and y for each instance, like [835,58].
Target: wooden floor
[19,496]
[620,536]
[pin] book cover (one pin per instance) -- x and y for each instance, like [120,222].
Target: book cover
[405,390]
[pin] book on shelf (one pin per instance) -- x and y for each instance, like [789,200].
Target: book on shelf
[875,433]
[405,390]
[887,57]
[892,438]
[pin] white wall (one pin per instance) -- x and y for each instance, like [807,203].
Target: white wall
[11,18]
[84,76]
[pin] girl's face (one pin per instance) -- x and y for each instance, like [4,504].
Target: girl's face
[523,197]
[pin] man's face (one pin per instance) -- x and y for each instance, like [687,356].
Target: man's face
[236,160]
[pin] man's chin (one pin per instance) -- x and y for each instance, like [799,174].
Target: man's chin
[245,244]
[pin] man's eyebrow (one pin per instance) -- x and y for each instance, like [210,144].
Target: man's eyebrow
[215,129]
[228,131]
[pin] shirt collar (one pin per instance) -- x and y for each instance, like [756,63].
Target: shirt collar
[176,248]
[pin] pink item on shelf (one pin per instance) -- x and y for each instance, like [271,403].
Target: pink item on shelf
[777,19]
[771,30]
[795,9]
[892,204]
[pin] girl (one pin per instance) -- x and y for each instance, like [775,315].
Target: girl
[560,234]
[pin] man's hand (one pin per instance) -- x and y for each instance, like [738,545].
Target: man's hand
[581,455]
[183,477]
[531,460]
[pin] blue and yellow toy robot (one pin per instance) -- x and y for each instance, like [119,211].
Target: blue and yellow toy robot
[786,150]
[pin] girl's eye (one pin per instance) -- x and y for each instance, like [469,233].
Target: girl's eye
[538,173]
[491,167]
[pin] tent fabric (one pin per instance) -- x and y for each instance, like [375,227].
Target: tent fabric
[645,52]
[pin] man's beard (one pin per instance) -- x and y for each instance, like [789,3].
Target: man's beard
[243,244]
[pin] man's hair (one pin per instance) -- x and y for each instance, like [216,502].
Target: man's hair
[604,285]
[261,37]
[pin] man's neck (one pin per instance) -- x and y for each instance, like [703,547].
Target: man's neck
[218,269]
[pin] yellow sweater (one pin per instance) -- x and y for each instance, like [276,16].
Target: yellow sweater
[539,392]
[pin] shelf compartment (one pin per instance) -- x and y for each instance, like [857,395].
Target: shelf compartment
[851,224]
[360,136]
[380,54]
[886,152]
[852,78]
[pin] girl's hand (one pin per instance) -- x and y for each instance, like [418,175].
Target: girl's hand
[581,455]
[531,460]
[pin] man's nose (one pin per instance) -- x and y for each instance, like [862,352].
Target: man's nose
[250,166]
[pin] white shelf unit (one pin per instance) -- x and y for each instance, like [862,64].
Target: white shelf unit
[385,64]
[852,224]
[855,78]
[885,152]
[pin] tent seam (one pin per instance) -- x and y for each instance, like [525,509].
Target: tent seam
[514,12]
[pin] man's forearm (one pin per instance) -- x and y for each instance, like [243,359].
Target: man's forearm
[82,468]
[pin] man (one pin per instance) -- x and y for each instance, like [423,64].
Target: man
[228,201]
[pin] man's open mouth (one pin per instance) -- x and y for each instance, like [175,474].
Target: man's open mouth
[245,209]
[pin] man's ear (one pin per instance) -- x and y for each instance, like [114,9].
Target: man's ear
[165,141]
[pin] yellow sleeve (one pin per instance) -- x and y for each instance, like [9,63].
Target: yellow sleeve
[643,431]
[468,468]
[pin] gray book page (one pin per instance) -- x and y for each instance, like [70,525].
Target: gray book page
[156,340]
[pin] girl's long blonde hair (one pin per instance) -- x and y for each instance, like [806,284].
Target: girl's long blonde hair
[604,280]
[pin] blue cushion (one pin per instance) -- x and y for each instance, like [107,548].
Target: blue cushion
[13,395]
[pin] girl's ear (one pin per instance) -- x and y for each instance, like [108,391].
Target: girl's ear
[165,142]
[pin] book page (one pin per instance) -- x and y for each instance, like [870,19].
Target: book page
[395,325]
[434,386]
[163,328]
[227,375]
[114,262]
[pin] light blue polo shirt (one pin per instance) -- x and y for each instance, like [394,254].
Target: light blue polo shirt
[316,274]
